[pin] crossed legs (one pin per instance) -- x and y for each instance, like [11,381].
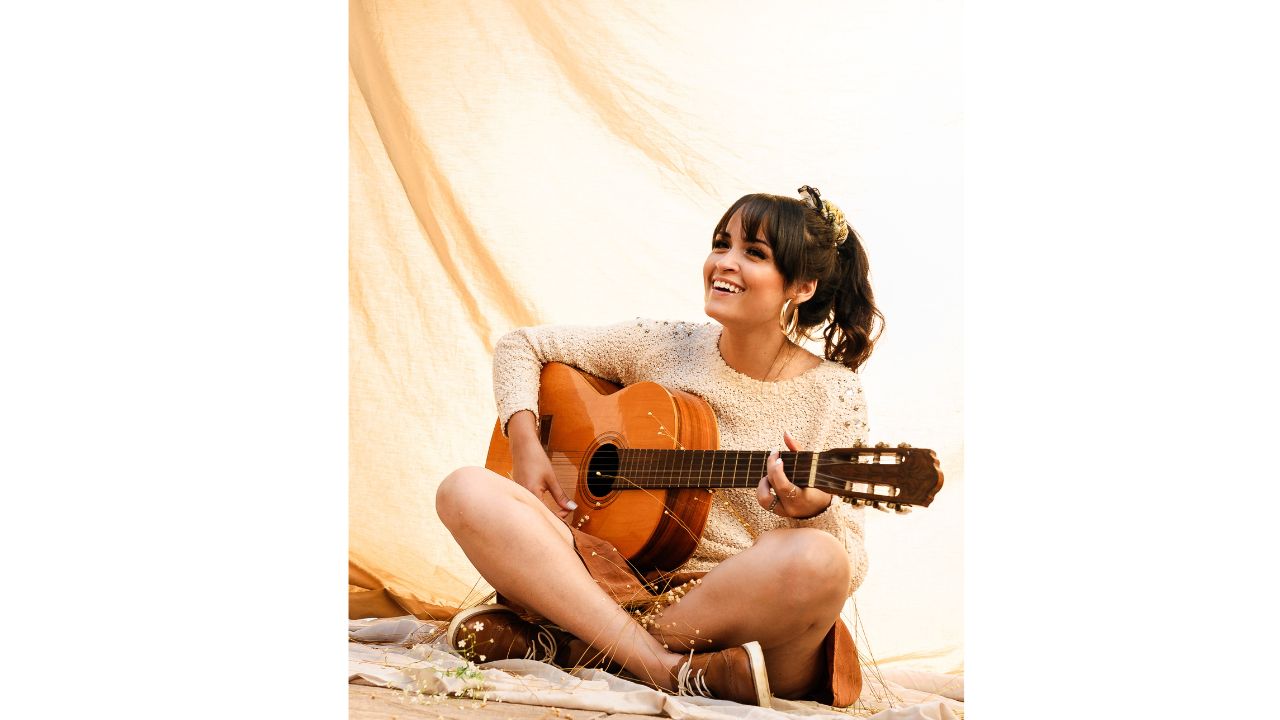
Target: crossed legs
[784,592]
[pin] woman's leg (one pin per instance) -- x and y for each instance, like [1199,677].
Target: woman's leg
[527,554]
[785,592]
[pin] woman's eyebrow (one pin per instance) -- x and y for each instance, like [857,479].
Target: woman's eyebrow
[763,241]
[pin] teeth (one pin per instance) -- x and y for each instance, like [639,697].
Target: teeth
[721,285]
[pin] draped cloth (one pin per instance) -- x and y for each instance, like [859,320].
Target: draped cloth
[515,163]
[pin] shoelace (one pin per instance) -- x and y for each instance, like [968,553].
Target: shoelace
[690,686]
[543,641]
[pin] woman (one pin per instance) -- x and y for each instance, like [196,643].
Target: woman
[773,567]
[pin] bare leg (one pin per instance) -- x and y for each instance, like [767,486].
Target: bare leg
[785,592]
[527,553]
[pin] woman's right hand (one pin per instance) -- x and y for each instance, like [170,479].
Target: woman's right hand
[530,466]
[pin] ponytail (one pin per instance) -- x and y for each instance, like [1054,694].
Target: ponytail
[856,322]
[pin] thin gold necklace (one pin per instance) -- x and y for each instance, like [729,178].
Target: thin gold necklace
[771,372]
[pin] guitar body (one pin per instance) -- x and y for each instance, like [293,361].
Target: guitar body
[584,420]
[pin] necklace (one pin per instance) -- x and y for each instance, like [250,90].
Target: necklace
[772,373]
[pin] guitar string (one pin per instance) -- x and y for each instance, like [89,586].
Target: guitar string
[648,491]
[830,481]
[837,484]
[690,473]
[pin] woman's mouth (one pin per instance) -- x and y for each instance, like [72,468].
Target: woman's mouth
[722,287]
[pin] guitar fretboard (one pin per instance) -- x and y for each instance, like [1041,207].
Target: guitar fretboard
[707,468]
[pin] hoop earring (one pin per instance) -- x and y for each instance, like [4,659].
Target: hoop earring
[788,325]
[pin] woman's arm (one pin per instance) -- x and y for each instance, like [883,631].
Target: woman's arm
[611,352]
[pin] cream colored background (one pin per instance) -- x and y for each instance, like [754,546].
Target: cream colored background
[516,163]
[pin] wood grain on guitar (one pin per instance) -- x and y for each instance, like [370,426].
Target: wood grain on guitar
[641,461]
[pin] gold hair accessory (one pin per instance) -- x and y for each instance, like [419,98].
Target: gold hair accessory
[828,210]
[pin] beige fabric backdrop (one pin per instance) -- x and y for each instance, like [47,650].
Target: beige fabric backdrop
[517,162]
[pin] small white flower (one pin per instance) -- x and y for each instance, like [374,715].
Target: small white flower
[462,643]
[478,626]
[481,658]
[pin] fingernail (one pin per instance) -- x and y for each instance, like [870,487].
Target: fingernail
[778,461]
[573,505]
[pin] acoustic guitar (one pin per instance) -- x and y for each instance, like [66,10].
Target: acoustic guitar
[642,461]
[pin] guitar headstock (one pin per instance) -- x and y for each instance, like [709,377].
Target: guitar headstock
[886,478]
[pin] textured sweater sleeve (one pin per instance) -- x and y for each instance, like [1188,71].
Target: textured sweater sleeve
[611,352]
[840,518]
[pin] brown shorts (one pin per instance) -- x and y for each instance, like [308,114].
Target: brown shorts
[616,577]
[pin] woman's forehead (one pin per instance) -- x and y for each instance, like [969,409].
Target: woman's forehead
[735,226]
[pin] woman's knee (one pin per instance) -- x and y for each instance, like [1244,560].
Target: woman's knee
[813,562]
[461,490]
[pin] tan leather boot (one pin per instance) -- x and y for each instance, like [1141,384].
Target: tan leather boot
[496,632]
[736,674]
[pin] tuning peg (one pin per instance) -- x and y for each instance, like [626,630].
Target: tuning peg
[904,445]
[902,509]
[882,444]
[879,506]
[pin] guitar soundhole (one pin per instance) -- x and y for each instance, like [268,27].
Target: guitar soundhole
[602,470]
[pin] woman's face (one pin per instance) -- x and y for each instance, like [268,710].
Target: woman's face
[755,289]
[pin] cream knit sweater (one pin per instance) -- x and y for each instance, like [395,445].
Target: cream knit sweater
[822,408]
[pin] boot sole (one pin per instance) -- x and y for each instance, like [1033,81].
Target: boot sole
[764,697]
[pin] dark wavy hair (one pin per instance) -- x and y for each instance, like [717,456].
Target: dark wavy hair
[804,248]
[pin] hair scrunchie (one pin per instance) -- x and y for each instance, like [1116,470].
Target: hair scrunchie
[829,212]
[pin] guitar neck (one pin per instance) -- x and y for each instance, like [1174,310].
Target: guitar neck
[707,468]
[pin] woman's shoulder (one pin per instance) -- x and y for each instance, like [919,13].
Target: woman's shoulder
[675,330]
[838,379]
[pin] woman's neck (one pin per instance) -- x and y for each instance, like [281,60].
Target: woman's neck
[761,352]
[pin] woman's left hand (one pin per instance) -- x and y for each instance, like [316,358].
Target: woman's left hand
[777,494]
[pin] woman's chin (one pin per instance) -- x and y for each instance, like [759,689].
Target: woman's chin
[717,312]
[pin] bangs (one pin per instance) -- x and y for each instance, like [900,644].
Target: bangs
[779,218]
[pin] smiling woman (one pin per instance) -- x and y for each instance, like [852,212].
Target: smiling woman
[779,269]
[813,272]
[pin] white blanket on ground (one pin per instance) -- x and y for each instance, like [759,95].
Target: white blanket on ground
[395,653]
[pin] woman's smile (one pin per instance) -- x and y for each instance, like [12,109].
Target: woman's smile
[724,287]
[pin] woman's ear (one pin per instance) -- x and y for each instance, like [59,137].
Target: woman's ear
[805,290]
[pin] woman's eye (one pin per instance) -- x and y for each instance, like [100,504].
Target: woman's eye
[720,243]
[757,252]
